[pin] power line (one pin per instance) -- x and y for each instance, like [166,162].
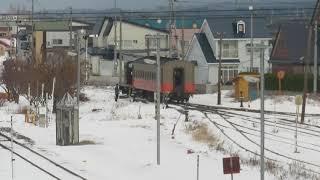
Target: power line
[156,17]
[80,12]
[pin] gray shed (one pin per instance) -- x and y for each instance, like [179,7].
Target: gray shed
[67,122]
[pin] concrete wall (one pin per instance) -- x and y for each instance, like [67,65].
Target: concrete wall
[63,35]
[132,33]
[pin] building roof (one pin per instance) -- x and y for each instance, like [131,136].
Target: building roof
[164,24]
[56,25]
[97,28]
[152,60]
[226,25]
[100,22]
[206,48]
[291,44]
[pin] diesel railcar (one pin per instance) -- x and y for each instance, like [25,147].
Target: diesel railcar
[177,78]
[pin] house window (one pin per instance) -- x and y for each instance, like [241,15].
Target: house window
[135,41]
[127,43]
[255,51]
[57,41]
[229,49]
[153,43]
[229,73]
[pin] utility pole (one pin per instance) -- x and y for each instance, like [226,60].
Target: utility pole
[148,46]
[198,167]
[262,168]
[11,134]
[171,26]
[182,39]
[315,58]
[17,31]
[32,29]
[158,37]
[86,55]
[70,28]
[158,99]
[219,71]
[306,66]
[78,70]
[251,35]
[120,48]
[115,42]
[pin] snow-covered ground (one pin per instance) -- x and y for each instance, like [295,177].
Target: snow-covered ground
[125,146]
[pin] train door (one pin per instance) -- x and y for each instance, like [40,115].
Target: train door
[178,81]
[129,73]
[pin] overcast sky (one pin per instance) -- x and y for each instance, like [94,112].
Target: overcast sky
[89,4]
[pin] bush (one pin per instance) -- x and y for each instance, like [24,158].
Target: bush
[18,74]
[200,132]
[291,82]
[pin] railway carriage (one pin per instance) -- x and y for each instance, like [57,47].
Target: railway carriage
[177,78]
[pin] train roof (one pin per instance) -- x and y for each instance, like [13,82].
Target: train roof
[152,60]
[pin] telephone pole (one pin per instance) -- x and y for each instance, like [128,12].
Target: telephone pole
[262,168]
[315,64]
[219,71]
[78,70]
[158,99]
[182,39]
[120,50]
[306,66]
[158,37]
[171,26]
[115,42]
[251,35]
[70,28]
[32,29]
[12,159]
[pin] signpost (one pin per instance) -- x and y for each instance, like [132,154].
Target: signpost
[280,76]
[298,102]
[231,165]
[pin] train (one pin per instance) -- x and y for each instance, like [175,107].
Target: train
[177,78]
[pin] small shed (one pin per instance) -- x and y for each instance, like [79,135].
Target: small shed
[248,85]
[67,121]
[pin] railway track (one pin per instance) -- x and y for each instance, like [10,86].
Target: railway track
[245,110]
[39,161]
[281,123]
[235,127]
[268,150]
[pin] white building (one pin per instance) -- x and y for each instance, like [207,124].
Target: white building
[133,35]
[235,50]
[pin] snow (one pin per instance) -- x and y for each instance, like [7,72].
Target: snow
[125,146]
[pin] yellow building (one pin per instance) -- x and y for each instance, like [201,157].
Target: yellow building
[246,86]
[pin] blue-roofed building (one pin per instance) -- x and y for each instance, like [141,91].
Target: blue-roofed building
[182,31]
[204,49]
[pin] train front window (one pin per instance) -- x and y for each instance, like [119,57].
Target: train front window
[178,80]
